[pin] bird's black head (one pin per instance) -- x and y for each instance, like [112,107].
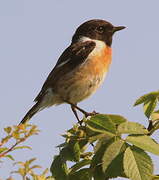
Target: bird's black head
[97,30]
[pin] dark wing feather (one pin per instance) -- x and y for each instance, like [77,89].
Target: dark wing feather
[72,57]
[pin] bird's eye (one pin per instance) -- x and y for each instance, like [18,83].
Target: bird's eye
[100,29]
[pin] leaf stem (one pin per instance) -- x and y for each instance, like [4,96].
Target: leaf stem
[153,128]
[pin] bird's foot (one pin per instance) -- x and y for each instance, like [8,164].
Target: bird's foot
[74,107]
[90,114]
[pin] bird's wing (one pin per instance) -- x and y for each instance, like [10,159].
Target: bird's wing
[72,57]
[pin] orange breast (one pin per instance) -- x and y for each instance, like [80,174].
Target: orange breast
[101,61]
[96,65]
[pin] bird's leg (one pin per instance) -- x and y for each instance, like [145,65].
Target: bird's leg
[85,112]
[81,110]
[75,113]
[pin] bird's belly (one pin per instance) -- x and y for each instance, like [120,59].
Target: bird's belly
[83,88]
[82,84]
[85,80]
[77,90]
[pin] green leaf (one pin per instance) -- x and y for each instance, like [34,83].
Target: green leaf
[147,97]
[35,166]
[82,174]
[3,149]
[115,169]
[30,161]
[116,119]
[59,168]
[98,173]
[67,154]
[21,171]
[8,130]
[80,165]
[99,137]
[10,157]
[131,128]
[19,163]
[71,152]
[6,139]
[76,151]
[16,135]
[102,140]
[155,115]
[61,145]
[45,172]
[144,142]
[86,155]
[83,144]
[97,158]
[101,123]
[155,177]
[111,152]
[22,147]
[137,164]
[149,107]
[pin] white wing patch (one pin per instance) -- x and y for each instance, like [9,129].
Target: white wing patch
[98,48]
[100,45]
[63,63]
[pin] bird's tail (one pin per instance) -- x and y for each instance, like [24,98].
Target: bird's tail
[31,113]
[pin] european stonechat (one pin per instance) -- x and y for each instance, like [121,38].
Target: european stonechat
[80,69]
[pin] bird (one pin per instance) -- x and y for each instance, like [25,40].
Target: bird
[80,70]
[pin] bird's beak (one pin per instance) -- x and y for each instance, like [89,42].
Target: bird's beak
[118,28]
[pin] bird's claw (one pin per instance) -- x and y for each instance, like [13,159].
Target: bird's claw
[91,114]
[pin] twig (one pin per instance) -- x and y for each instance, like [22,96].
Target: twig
[10,149]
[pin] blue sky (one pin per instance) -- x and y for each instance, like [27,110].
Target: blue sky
[34,33]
